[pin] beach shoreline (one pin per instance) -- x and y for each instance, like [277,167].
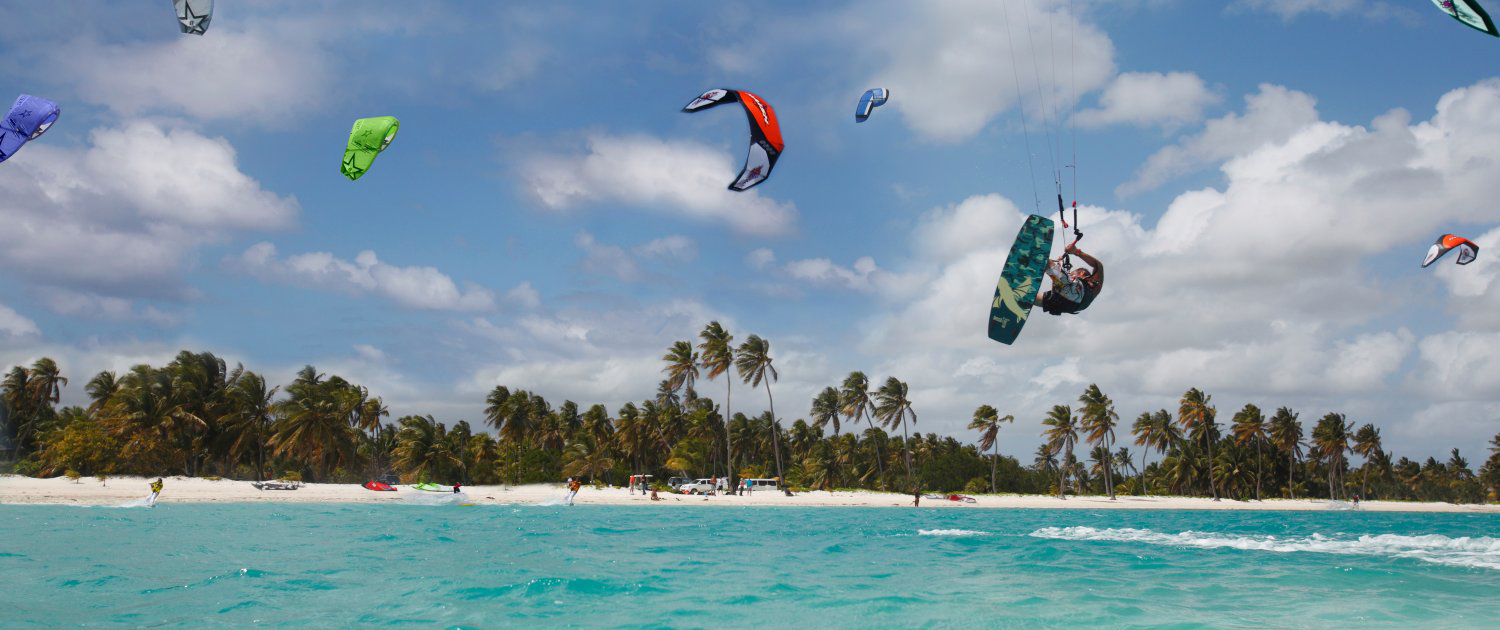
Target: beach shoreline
[20,490]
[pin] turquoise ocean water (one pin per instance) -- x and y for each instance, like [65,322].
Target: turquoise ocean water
[312,565]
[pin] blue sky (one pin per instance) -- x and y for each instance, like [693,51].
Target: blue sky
[1261,178]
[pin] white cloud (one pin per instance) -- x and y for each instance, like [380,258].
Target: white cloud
[130,209]
[949,62]
[625,265]
[675,248]
[607,260]
[822,271]
[414,287]
[93,305]
[263,75]
[1289,9]
[760,258]
[1293,8]
[682,178]
[1271,116]
[369,352]
[1150,98]
[1474,289]
[13,324]
[1447,424]
[524,295]
[1460,365]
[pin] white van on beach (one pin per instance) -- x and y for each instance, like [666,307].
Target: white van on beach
[756,485]
[703,486]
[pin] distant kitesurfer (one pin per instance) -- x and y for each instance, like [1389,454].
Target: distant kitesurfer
[155,492]
[456,485]
[573,486]
[1072,291]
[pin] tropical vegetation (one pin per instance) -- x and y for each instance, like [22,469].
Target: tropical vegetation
[197,416]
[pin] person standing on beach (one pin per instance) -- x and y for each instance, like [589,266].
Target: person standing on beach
[155,492]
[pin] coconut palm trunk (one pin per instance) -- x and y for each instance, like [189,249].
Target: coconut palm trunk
[775,437]
[1258,474]
[994,463]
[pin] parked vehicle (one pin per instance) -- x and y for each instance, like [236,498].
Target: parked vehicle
[758,485]
[702,486]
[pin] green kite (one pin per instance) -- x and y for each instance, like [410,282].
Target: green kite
[369,137]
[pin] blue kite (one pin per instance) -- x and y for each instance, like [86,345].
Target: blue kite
[28,119]
[874,97]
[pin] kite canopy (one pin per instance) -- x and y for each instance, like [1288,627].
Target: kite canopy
[28,119]
[193,15]
[1467,251]
[1469,12]
[369,137]
[1020,279]
[874,97]
[765,133]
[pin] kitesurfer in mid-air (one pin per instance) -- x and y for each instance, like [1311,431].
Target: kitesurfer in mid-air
[1072,291]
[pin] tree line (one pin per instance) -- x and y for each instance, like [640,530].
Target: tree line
[196,416]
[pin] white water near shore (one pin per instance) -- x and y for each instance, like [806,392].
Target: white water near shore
[1463,551]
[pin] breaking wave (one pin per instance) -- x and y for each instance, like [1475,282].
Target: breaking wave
[1478,552]
[951,532]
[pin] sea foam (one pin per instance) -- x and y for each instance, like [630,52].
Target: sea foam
[951,532]
[1477,552]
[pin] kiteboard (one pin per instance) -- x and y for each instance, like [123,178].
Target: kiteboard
[429,487]
[1020,279]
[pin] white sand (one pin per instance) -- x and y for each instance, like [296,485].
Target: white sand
[16,489]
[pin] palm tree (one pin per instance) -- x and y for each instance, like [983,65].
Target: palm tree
[1061,434]
[854,397]
[753,361]
[17,395]
[1331,436]
[1046,459]
[99,389]
[1250,428]
[826,409]
[682,367]
[47,381]
[1154,431]
[314,423]
[587,459]
[1098,423]
[1367,444]
[248,422]
[1286,435]
[30,395]
[1461,477]
[1197,416]
[423,448]
[987,422]
[147,414]
[892,407]
[1123,461]
[716,353]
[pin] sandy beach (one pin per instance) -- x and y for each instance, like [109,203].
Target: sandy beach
[16,489]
